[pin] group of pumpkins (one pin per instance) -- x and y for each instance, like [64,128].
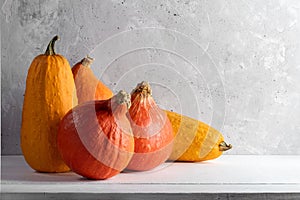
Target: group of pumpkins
[72,121]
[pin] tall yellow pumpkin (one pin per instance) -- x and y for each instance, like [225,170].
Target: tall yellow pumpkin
[49,95]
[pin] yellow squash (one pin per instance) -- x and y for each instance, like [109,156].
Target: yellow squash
[194,140]
[48,97]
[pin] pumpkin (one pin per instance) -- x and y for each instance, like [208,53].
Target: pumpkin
[195,140]
[49,95]
[95,138]
[87,85]
[152,130]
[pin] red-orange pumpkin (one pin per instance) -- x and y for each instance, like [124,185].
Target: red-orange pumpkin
[95,138]
[153,134]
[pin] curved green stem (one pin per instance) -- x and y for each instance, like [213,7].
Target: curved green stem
[50,48]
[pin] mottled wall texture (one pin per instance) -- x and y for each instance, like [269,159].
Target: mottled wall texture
[234,64]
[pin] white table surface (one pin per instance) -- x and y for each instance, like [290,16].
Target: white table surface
[226,174]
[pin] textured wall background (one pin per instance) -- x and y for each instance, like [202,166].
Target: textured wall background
[232,64]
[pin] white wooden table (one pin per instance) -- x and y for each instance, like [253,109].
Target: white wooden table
[228,177]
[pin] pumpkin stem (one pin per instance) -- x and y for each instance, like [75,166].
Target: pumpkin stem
[224,147]
[123,97]
[50,48]
[87,61]
[143,88]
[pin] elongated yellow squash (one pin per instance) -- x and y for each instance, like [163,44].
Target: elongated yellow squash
[49,95]
[194,140]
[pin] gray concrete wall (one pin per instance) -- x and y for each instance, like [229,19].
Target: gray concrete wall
[232,64]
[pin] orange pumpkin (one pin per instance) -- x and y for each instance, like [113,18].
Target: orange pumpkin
[153,134]
[95,138]
[87,85]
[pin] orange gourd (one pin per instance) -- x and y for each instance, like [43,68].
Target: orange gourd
[95,138]
[87,85]
[194,140]
[153,134]
[48,97]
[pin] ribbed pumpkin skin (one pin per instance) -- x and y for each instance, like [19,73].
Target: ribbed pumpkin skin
[48,97]
[95,141]
[153,134]
[88,86]
[194,140]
